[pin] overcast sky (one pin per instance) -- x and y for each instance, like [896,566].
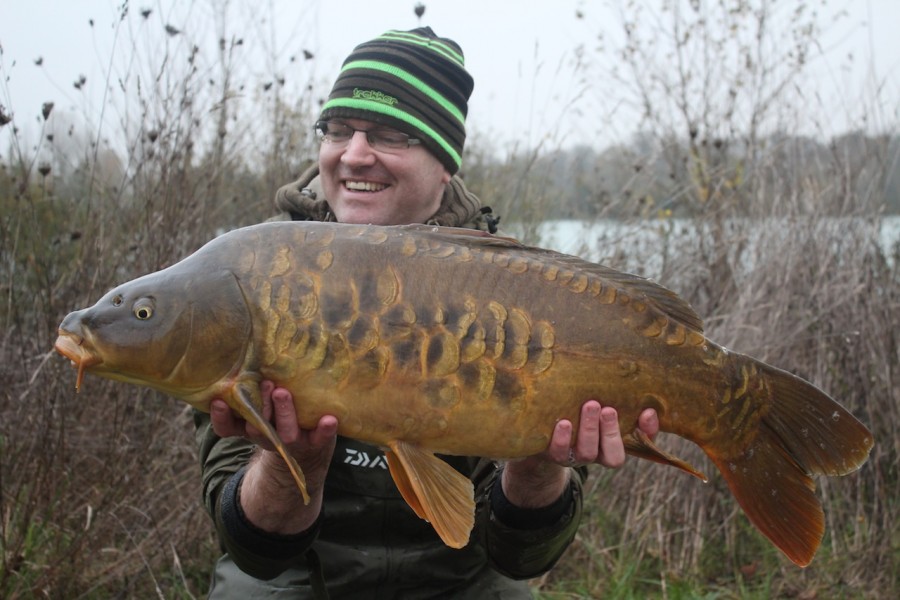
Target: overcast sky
[520,53]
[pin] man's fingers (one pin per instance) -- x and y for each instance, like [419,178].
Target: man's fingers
[265,390]
[285,416]
[648,422]
[561,442]
[325,432]
[587,448]
[223,420]
[612,449]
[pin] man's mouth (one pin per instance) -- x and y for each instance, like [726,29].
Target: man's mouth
[364,186]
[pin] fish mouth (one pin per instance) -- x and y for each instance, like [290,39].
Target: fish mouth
[72,347]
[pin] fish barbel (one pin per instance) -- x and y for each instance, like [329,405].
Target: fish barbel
[427,340]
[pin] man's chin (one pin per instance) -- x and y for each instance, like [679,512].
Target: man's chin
[361,215]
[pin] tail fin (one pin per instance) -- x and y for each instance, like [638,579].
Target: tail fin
[804,433]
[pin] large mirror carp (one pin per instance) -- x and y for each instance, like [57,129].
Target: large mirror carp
[427,340]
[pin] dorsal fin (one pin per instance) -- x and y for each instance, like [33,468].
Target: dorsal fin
[634,286]
[638,287]
[491,239]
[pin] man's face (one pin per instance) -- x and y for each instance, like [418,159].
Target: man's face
[382,187]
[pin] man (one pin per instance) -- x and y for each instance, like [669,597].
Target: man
[392,131]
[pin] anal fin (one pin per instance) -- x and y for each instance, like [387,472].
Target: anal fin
[640,445]
[436,491]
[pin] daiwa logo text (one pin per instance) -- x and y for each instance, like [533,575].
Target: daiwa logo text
[358,458]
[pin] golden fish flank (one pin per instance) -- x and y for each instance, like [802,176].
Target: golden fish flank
[428,340]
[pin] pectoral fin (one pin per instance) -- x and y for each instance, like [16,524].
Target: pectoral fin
[244,400]
[436,491]
[404,484]
[639,444]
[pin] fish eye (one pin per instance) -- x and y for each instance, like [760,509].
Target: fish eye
[143,312]
[117,300]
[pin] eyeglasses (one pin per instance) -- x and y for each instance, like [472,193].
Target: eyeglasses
[379,138]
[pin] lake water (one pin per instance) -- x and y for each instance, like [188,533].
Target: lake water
[638,246]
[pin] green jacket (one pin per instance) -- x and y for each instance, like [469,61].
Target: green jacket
[368,543]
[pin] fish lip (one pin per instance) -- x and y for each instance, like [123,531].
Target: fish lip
[72,347]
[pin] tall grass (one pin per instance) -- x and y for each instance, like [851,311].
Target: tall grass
[781,256]
[818,297]
[99,491]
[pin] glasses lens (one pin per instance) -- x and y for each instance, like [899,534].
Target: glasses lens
[388,139]
[334,132]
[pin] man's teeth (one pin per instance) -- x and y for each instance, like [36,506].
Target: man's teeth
[364,186]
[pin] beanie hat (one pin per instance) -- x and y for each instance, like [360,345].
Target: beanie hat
[412,81]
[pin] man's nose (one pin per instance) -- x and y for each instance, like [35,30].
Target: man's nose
[358,150]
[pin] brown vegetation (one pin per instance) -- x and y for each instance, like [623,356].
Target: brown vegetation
[776,245]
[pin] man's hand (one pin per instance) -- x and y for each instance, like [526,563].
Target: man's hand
[539,480]
[269,496]
[311,448]
[599,438]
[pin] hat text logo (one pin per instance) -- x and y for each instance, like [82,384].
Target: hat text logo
[374,96]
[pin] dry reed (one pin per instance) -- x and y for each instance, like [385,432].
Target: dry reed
[99,492]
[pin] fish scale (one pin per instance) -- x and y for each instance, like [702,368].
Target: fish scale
[427,340]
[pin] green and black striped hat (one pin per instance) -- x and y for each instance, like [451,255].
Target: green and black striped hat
[413,81]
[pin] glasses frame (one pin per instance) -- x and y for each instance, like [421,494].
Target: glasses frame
[372,136]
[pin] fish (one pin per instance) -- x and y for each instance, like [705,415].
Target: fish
[431,341]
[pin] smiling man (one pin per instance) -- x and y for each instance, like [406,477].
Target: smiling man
[402,183]
[392,134]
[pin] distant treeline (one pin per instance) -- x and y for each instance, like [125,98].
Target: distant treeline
[853,173]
